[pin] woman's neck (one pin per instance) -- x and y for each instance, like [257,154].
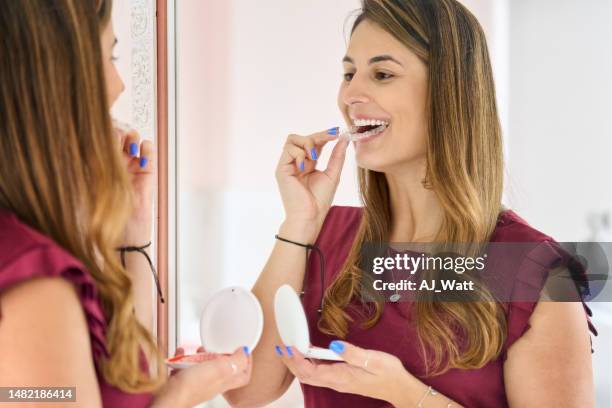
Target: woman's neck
[416,211]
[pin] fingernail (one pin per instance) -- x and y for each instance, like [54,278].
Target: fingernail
[289,351]
[143,161]
[279,351]
[336,346]
[302,166]
[332,131]
[313,154]
[246,350]
[133,149]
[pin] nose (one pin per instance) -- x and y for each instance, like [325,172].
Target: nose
[355,92]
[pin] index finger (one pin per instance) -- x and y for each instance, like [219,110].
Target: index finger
[326,135]
[318,139]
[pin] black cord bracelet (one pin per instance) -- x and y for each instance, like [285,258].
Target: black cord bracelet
[315,248]
[141,249]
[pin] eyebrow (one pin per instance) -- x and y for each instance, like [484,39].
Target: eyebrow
[378,58]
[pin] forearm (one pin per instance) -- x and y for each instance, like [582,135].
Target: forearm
[171,395]
[142,287]
[286,265]
[409,392]
[139,270]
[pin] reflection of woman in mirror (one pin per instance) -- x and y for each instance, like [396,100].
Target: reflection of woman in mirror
[431,170]
[71,193]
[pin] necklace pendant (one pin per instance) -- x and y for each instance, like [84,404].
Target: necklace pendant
[395,297]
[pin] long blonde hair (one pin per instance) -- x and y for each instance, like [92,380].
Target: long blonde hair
[60,167]
[464,169]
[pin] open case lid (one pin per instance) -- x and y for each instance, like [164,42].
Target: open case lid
[291,319]
[232,318]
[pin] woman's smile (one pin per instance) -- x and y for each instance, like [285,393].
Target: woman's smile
[366,128]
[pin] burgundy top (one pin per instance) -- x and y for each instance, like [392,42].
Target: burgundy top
[26,254]
[394,334]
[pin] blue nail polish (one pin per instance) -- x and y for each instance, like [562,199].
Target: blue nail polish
[332,131]
[143,162]
[289,351]
[246,350]
[313,153]
[302,166]
[279,351]
[336,346]
[133,149]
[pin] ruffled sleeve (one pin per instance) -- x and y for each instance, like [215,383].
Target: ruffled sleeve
[45,260]
[530,280]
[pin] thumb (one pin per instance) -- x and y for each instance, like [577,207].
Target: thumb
[336,159]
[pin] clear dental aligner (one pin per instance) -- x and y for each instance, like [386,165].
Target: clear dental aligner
[352,133]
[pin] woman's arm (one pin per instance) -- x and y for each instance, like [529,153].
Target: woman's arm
[140,273]
[140,158]
[44,340]
[307,195]
[550,365]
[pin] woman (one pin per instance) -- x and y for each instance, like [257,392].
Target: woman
[431,172]
[66,303]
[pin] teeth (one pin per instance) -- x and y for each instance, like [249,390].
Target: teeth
[369,122]
[357,136]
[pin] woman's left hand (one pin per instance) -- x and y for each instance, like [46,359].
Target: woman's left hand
[370,373]
[139,157]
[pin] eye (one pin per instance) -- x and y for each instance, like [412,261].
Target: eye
[382,76]
[348,76]
[113,58]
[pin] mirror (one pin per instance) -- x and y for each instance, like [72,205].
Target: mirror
[245,74]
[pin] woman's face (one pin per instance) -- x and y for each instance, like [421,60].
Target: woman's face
[385,81]
[114,84]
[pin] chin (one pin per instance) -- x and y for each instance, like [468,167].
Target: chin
[367,162]
[384,164]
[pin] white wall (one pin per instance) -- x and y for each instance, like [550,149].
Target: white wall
[561,113]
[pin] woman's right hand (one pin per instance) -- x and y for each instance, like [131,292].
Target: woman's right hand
[204,381]
[307,193]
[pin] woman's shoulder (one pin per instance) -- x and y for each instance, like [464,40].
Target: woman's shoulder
[26,255]
[43,335]
[513,228]
[524,254]
[521,256]
[26,251]
[525,258]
